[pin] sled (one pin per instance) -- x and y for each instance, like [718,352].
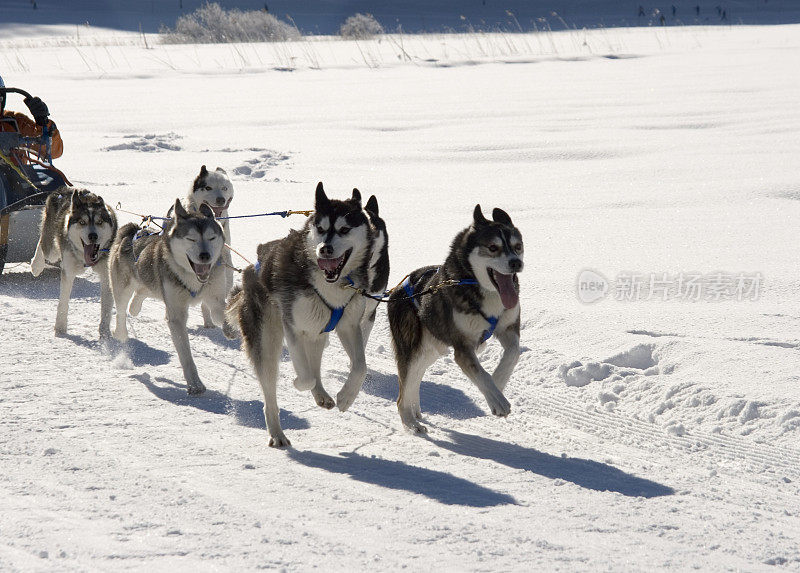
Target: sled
[23,189]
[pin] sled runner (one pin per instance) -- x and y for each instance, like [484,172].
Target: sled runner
[27,177]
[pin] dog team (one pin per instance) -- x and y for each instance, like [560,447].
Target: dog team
[328,276]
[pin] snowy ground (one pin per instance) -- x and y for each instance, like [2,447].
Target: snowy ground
[644,434]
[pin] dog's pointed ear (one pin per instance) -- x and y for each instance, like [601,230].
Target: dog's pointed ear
[501,216]
[320,198]
[221,170]
[179,211]
[372,205]
[477,216]
[75,199]
[203,171]
[356,196]
[206,211]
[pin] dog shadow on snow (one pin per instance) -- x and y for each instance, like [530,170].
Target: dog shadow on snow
[248,413]
[47,286]
[585,473]
[439,486]
[436,398]
[139,353]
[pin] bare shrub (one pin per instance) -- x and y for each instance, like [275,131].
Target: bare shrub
[212,24]
[360,27]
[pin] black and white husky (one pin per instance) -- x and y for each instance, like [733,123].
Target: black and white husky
[77,230]
[461,304]
[378,272]
[214,188]
[178,266]
[298,292]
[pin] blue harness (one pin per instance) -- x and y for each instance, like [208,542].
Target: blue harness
[408,288]
[336,312]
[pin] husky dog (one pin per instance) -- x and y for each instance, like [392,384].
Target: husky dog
[215,189]
[295,291]
[378,272]
[429,315]
[77,229]
[178,266]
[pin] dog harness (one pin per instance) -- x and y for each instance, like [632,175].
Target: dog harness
[408,287]
[336,312]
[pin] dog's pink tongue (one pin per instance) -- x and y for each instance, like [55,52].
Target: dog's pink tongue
[202,271]
[505,286]
[89,254]
[329,264]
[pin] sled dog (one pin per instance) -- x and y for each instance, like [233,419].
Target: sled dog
[297,292]
[178,266]
[378,271]
[430,313]
[215,189]
[77,230]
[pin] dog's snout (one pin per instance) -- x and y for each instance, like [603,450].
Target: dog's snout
[220,200]
[204,256]
[515,265]
[93,237]
[326,251]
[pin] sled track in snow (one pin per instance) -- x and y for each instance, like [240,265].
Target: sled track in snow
[544,401]
[645,434]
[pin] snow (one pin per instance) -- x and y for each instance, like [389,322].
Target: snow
[644,435]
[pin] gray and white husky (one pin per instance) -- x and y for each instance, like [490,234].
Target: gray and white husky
[297,292]
[77,230]
[378,271]
[214,189]
[427,316]
[178,266]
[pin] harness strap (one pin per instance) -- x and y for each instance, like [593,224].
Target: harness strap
[336,316]
[408,287]
[492,320]
[336,312]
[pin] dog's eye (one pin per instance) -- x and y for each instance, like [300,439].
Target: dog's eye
[224,188]
[518,248]
[493,248]
[344,230]
[191,240]
[84,223]
[208,188]
[320,230]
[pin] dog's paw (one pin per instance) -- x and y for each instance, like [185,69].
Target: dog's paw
[60,329]
[196,388]
[345,399]
[279,441]
[500,406]
[304,384]
[416,428]
[37,266]
[323,400]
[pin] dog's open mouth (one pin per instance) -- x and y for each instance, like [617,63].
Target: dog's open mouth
[91,253]
[202,271]
[333,267]
[505,286]
[218,209]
